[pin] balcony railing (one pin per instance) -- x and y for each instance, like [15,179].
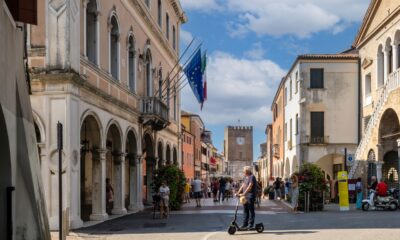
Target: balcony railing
[155,112]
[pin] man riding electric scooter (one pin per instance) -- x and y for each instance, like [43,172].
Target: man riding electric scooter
[249,191]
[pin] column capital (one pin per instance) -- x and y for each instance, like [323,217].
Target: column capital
[379,163]
[139,159]
[99,154]
[119,157]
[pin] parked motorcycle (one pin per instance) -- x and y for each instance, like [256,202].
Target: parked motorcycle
[379,203]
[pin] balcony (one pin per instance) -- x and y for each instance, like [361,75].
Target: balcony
[154,113]
[316,140]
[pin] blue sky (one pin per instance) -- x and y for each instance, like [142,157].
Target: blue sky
[251,44]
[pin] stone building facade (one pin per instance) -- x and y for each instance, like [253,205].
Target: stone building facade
[188,154]
[238,149]
[277,133]
[22,204]
[378,43]
[321,109]
[106,71]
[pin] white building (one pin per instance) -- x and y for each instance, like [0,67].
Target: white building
[321,111]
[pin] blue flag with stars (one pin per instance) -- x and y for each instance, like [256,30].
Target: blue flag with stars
[194,74]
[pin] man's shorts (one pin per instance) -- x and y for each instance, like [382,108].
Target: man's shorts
[197,195]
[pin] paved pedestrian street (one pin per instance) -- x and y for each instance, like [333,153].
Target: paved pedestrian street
[211,221]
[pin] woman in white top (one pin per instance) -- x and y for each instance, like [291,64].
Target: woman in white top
[164,205]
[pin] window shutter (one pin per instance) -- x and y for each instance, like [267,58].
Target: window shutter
[317,124]
[317,78]
[23,10]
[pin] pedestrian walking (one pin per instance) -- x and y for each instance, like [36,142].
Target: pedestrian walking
[277,187]
[295,192]
[215,188]
[197,191]
[187,192]
[249,191]
[359,192]
[164,194]
[222,185]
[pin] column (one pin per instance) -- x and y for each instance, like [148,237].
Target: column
[386,56]
[395,50]
[379,170]
[133,187]
[119,190]
[99,186]
[139,183]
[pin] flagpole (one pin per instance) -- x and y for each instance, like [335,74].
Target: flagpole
[179,60]
[187,61]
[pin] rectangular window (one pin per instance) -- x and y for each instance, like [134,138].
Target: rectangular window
[317,78]
[285,132]
[317,127]
[290,88]
[297,82]
[174,37]
[285,97]
[290,130]
[297,124]
[159,14]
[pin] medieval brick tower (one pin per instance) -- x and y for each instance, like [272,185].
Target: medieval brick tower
[238,148]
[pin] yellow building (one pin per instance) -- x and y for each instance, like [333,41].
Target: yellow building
[378,44]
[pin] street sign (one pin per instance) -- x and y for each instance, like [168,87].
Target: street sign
[350,159]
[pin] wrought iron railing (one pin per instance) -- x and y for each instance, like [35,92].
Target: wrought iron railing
[155,107]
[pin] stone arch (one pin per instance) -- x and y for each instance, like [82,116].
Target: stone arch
[396,41]
[371,165]
[287,168]
[389,50]
[160,152]
[5,172]
[149,164]
[39,128]
[389,124]
[175,155]
[168,154]
[380,66]
[96,118]
[390,169]
[331,164]
[131,151]
[91,141]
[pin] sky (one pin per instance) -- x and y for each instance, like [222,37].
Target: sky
[251,44]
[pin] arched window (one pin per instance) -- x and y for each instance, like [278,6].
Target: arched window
[131,64]
[380,66]
[174,37]
[114,48]
[91,31]
[149,75]
[167,25]
[159,13]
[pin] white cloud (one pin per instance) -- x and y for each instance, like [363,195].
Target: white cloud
[202,5]
[300,18]
[238,88]
[186,37]
[257,52]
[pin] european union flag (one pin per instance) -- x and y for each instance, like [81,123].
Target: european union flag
[194,74]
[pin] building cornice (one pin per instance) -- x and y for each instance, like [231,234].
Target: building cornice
[141,8]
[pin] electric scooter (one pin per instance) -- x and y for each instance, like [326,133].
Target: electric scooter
[233,227]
